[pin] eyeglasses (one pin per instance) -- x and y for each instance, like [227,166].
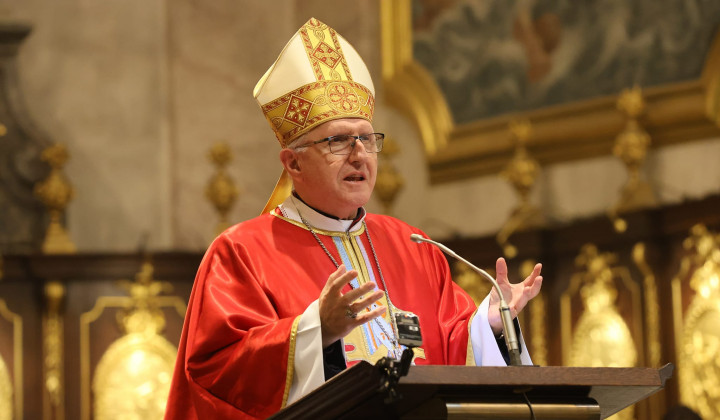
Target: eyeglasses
[345,143]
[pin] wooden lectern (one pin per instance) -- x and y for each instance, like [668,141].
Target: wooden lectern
[466,392]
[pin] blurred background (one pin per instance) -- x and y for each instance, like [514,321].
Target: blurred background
[584,135]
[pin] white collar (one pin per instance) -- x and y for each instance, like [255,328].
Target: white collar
[292,208]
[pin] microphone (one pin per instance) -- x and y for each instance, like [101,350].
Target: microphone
[510,336]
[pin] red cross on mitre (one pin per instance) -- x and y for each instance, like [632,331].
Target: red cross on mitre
[326,55]
[298,110]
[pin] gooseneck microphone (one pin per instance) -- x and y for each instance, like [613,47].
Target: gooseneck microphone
[509,329]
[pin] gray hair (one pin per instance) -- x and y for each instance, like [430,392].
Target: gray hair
[297,142]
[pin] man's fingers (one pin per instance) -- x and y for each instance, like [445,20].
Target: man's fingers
[535,273]
[354,294]
[340,278]
[362,304]
[535,287]
[528,292]
[334,275]
[364,317]
[501,271]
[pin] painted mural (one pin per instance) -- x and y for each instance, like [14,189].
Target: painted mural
[492,57]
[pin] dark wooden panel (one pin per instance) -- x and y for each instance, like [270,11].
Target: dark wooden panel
[86,277]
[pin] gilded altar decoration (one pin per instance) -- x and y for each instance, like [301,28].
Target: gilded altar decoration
[696,326]
[601,336]
[521,172]
[652,306]
[132,379]
[537,318]
[6,392]
[56,192]
[475,285]
[389,181]
[11,386]
[221,190]
[53,340]
[538,315]
[631,147]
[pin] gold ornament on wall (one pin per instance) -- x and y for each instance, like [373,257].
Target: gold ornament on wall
[631,146]
[53,407]
[221,190]
[6,389]
[56,192]
[652,305]
[132,379]
[11,393]
[537,318]
[522,172]
[696,326]
[6,392]
[601,336]
[389,181]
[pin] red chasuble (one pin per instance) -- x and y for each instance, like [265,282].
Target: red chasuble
[236,354]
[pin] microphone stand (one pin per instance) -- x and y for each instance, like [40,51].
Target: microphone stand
[509,329]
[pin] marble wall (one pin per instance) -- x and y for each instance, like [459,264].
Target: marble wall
[140,90]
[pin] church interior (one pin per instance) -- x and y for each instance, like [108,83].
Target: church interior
[582,135]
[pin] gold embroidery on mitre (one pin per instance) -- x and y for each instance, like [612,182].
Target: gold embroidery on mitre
[333,95]
[324,58]
[310,105]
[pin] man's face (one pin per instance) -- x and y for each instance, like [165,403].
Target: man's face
[336,184]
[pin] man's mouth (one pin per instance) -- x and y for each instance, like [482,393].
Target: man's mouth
[355,178]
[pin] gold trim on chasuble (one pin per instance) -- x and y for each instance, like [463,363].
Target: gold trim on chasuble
[470,355]
[291,361]
[323,232]
[333,95]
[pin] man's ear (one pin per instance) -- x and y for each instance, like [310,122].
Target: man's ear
[289,160]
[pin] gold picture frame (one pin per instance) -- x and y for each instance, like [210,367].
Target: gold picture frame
[675,113]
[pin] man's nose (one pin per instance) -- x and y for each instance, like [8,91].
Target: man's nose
[358,148]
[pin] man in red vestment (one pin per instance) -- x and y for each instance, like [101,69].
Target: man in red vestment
[284,301]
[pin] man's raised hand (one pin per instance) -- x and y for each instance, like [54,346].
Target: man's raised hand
[341,313]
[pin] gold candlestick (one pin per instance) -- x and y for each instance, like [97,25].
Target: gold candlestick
[56,192]
[221,190]
[521,172]
[631,146]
